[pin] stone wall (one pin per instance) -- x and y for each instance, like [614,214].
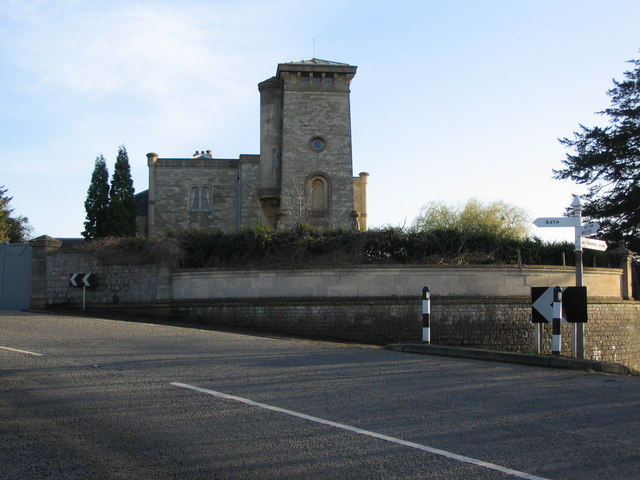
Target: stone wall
[232,203]
[115,284]
[376,281]
[249,173]
[364,320]
[360,199]
[369,305]
[612,333]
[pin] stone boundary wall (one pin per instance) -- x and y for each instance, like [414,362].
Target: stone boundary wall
[612,333]
[116,284]
[364,320]
[377,281]
[369,305]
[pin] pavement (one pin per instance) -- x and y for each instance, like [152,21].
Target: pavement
[550,361]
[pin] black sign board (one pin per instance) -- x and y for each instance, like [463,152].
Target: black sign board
[82,280]
[574,304]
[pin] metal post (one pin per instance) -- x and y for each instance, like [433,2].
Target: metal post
[556,343]
[426,314]
[84,296]
[538,333]
[577,344]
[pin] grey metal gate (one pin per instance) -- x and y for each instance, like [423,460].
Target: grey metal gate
[15,276]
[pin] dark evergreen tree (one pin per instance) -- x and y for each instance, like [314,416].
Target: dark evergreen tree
[13,229]
[122,205]
[97,203]
[608,160]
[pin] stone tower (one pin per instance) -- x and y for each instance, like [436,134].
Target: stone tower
[306,172]
[303,173]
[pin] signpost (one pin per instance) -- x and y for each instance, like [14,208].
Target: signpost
[581,242]
[83,280]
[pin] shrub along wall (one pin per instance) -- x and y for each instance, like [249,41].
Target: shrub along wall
[306,245]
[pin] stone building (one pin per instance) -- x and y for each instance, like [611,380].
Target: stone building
[303,173]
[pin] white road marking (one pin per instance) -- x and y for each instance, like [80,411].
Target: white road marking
[349,428]
[21,351]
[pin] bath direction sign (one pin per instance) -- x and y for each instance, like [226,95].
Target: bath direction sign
[82,280]
[557,222]
[581,230]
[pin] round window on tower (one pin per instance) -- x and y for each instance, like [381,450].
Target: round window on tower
[317,144]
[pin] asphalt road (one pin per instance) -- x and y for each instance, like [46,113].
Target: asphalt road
[84,398]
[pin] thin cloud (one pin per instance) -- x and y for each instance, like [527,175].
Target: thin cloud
[149,50]
[183,67]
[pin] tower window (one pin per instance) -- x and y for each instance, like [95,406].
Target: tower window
[317,144]
[200,199]
[319,194]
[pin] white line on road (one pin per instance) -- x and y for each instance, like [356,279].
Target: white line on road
[21,351]
[399,441]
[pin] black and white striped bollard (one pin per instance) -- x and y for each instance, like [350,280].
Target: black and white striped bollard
[556,342]
[426,313]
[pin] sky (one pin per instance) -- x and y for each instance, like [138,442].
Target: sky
[452,100]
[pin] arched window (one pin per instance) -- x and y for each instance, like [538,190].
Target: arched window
[318,195]
[205,199]
[318,187]
[200,199]
[194,199]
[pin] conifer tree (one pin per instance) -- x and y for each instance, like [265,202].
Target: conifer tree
[13,229]
[608,160]
[122,205]
[97,203]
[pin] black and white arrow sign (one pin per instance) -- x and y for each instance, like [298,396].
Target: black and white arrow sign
[81,279]
[574,304]
[542,304]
